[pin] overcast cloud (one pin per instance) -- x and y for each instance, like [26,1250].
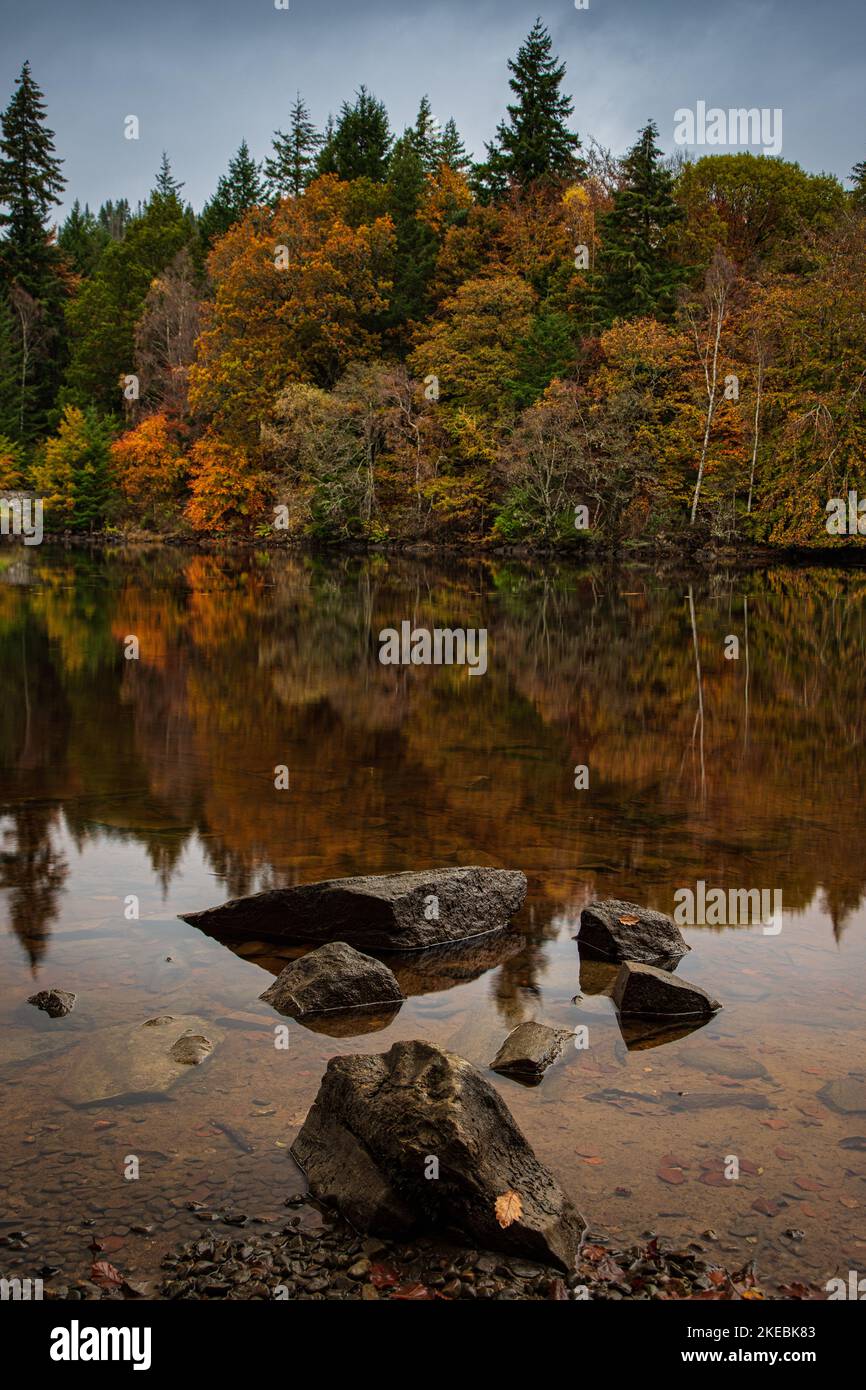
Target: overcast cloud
[203,74]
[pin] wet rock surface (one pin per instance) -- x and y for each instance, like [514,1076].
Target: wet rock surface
[643,991]
[846,1095]
[377,1121]
[139,1061]
[387,912]
[335,977]
[57,1003]
[614,930]
[529,1050]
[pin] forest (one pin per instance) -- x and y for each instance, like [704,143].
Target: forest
[376,338]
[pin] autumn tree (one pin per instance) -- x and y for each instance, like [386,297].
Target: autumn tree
[150,468]
[165,336]
[72,472]
[226,489]
[297,295]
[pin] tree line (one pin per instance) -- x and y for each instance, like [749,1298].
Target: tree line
[369,336]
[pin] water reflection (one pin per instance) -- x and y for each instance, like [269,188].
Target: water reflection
[155,779]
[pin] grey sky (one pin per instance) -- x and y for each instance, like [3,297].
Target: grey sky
[203,74]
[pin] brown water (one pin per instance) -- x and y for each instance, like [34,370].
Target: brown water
[155,778]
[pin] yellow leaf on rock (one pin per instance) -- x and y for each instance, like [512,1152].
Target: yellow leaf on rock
[508,1208]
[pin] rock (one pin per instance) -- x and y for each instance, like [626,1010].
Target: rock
[191,1049]
[57,1003]
[388,912]
[643,991]
[847,1095]
[376,1123]
[334,977]
[140,1061]
[614,930]
[529,1050]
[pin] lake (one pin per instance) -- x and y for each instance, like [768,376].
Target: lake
[148,785]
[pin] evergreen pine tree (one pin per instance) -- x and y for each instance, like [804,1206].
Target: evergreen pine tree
[166,184]
[82,239]
[637,276]
[415,243]
[360,143]
[535,142]
[291,167]
[858,192]
[452,150]
[238,190]
[114,218]
[30,185]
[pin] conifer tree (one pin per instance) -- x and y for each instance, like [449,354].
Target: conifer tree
[166,184]
[415,243]
[535,142]
[30,185]
[360,142]
[82,239]
[238,190]
[452,150]
[292,165]
[858,192]
[637,275]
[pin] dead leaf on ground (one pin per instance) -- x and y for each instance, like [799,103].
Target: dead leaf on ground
[675,1176]
[105,1275]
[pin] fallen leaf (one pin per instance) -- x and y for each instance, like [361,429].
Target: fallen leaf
[809,1184]
[105,1275]
[850,1202]
[411,1291]
[509,1208]
[675,1176]
[786,1155]
[629,920]
[383,1276]
[766,1207]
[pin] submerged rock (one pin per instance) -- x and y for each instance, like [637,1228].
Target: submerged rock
[386,912]
[642,991]
[191,1049]
[529,1050]
[334,977]
[615,930]
[847,1095]
[145,1060]
[417,1139]
[57,1003]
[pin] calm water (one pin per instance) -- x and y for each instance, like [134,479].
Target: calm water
[154,778]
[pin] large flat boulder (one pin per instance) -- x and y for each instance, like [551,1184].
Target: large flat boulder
[642,991]
[614,930]
[144,1061]
[378,1123]
[386,912]
[334,977]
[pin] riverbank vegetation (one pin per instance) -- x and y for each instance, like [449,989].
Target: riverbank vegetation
[376,338]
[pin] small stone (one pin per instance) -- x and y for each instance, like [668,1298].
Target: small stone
[529,1050]
[57,1003]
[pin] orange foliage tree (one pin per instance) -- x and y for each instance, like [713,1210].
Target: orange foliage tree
[226,489]
[296,294]
[150,467]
